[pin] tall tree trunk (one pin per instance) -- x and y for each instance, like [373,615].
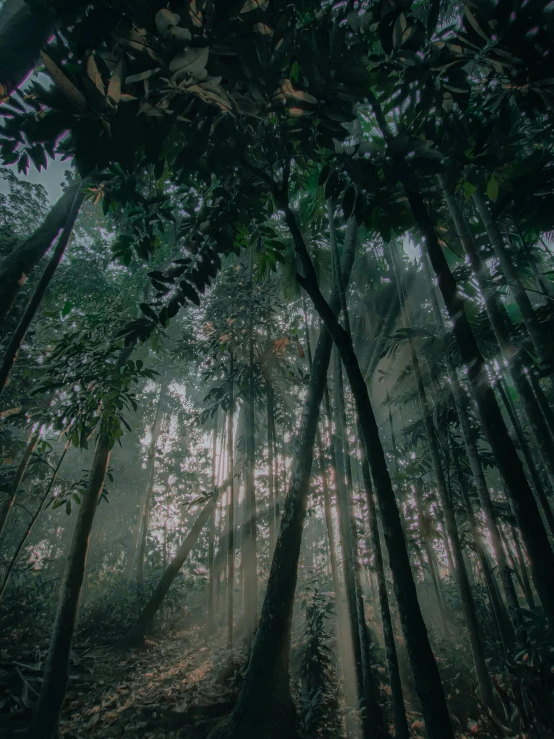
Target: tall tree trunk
[401,730]
[423,518]
[451,532]
[15,268]
[460,403]
[526,585]
[231,508]
[507,460]
[542,400]
[145,516]
[271,466]
[372,716]
[146,617]
[211,541]
[426,674]
[56,671]
[20,332]
[500,613]
[31,524]
[524,446]
[532,324]
[19,475]
[328,517]
[249,529]
[220,557]
[264,706]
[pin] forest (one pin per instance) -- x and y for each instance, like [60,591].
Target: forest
[276,381]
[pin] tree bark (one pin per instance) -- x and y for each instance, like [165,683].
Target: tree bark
[249,530]
[211,541]
[15,267]
[427,678]
[401,730]
[271,465]
[56,671]
[20,332]
[231,509]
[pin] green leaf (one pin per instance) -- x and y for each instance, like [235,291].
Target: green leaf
[164,317]
[469,189]
[147,310]
[492,189]
[332,186]
[67,306]
[294,72]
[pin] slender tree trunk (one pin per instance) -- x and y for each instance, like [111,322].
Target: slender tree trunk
[231,509]
[56,671]
[145,517]
[20,332]
[211,542]
[401,730]
[219,565]
[32,523]
[249,529]
[507,460]
[460,403]
[372,717]
[527,589]
[515,566]
[542,401]
[328,517]
[451,527]
[502,619]
[18,479]
[384,330]
[423,517]
[146,617]
[271,467]
[15,268]
[427,678]
[524,446]
[532,324]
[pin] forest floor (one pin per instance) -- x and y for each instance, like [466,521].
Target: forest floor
[177,688]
